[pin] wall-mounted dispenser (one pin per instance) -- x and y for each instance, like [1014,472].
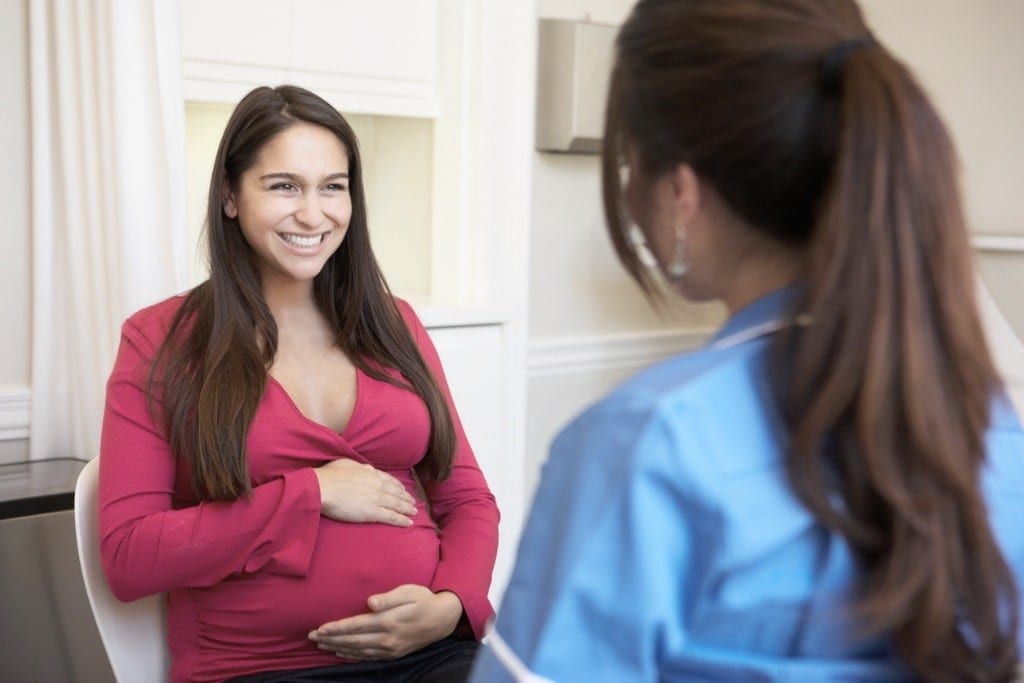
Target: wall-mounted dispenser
[574,62]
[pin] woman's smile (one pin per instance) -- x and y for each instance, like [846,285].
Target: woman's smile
[303,244]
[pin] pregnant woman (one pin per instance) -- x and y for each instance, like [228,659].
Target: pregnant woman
[280,452]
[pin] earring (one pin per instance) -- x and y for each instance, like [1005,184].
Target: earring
[638,243]
[678,266]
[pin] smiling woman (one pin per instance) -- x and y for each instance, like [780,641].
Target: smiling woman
[280,452]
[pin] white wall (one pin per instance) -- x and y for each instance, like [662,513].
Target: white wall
[577,287]
[15,266]
[582,303]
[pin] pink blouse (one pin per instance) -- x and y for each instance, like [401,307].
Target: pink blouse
[247,580]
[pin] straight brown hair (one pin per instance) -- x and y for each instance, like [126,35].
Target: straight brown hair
[817,136]
[211,371]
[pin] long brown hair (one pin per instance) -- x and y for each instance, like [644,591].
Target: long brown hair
[211,370]
[817,136]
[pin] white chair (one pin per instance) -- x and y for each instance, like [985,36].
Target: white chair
[133,633]
[1006,347]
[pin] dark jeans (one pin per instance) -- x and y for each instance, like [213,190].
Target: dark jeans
[446,661]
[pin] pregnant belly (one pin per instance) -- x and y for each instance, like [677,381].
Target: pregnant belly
[350,562]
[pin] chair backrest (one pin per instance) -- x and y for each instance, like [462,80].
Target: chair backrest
[133,633]
[1005,345]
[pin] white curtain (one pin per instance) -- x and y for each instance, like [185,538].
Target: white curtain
[108,198]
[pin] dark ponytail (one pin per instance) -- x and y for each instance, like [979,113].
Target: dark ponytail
[895,376]
[887,393]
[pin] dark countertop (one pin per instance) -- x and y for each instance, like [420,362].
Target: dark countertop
[34,487]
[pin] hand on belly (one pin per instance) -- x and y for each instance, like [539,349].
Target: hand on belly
[400,621]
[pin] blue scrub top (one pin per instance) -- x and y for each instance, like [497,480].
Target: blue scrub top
[664,542]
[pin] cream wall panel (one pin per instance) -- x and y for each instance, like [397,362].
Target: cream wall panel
[398,155]
[204,124]
[567,375]
[554,401]
[474,360]
[970,57]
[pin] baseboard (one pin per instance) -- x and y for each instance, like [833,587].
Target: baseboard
[567,356]
[1010,244]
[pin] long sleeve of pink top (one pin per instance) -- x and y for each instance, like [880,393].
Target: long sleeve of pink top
[150,544]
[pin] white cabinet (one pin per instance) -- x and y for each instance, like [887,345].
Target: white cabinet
[383,40]
[365,57]
[240,32]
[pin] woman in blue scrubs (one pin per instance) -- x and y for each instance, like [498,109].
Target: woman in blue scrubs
[832,489]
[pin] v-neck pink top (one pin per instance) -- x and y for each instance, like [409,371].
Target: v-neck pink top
[247,580]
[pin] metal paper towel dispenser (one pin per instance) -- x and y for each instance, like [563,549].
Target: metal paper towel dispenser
[574,63]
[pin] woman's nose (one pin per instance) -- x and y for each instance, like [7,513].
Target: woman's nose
[309,212]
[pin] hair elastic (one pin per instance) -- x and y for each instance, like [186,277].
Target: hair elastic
[835,59]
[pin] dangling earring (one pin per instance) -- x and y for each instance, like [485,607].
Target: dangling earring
[678,266]
[638,243]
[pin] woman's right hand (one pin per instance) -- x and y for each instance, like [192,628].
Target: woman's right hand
[355,492]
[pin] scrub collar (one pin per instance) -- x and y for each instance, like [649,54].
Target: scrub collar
[759,318]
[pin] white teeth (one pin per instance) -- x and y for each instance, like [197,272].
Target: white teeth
[302,240]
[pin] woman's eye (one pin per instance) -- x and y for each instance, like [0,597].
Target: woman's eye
[286,187]
[337,187]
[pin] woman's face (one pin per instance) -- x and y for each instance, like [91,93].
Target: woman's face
[294,205]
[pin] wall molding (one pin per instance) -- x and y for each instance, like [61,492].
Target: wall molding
[575,355]
[1013,244]
[14,413]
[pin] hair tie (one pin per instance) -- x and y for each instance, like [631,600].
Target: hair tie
[835,59]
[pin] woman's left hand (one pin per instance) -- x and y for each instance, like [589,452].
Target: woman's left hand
[400,621]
